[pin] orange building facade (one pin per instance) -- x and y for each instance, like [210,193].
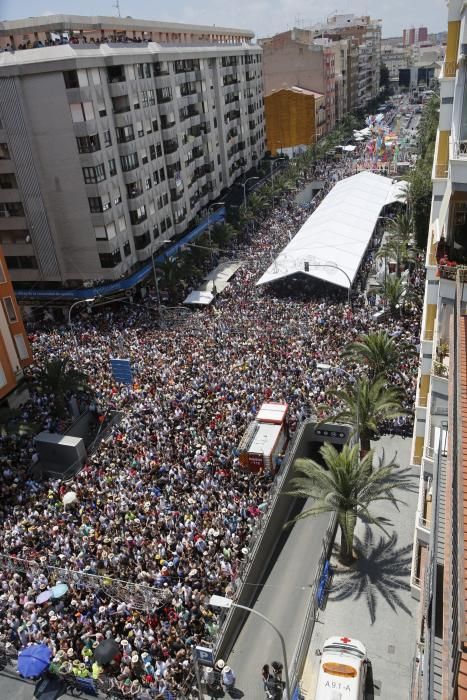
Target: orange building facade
[15,351]
[295,118]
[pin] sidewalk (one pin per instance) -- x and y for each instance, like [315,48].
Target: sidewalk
[372,602]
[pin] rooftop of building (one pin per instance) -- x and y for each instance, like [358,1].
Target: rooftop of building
[37,59]
[297,89]
[66,23]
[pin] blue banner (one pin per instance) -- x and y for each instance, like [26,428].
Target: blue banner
[128,282]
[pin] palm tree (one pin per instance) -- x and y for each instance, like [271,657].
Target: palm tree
[398,244]
[365,404]
[346,486]
[394,291]
[376,350]
[59,378]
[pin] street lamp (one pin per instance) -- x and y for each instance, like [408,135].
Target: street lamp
[75,303]
[219,601]
[244,184]
[210,208]
[336,267]
[325,366]
[272,163]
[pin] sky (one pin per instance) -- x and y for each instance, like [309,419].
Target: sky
[264,17]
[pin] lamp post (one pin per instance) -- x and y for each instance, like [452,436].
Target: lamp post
[244,184]
[324,366]
[75,303]
[210,208]
[272,163]
[336,267]
[220,601]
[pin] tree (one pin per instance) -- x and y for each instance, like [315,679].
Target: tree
[384,79]
[59,378]
[395,293]
[399,240]
[365,404]
[346,486]
[378,351]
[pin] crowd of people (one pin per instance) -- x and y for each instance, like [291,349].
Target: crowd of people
[164,502]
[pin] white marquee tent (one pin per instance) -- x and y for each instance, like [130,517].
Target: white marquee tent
[338,232]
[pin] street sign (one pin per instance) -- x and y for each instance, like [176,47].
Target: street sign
[121,370]
[204,656]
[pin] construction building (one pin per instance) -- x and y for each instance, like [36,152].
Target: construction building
[115,135]
[295,119]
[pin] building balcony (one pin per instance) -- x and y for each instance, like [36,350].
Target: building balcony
[423,516]
[419,561]
[449,69]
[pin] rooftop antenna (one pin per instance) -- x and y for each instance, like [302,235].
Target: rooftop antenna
[116,4]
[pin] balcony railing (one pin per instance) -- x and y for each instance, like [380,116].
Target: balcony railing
[450,68]
[441,170]
[460,149]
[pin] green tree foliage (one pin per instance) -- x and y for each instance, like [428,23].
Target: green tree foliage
[347,486]
[364,404]
[377,351]
[420,177]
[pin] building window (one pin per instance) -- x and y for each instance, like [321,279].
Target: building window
[21,347]
[142,241]
[81,111]
[10,309]
[71,79]
[88,144]
[21,262]
[125,134]
[147,183]
[8,209]
[112,167]
[105,233]
[137,216]
[147,98]
[117,197]
[2,377]
[107,138]
[8,182]
[94,174]
[110,259]
[98,205]
[129,162]
[126,249]
[121,223]
[4,152]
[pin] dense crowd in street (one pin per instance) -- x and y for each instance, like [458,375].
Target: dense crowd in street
[164,502]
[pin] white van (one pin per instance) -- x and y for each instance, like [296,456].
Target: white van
[342,671]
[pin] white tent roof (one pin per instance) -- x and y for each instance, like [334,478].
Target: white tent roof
[200,297]
[338,232]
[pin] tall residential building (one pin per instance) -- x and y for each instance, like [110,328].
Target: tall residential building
[15,351]
[364,32]
[414,36]
[439,450]
[291,60]
[111,144]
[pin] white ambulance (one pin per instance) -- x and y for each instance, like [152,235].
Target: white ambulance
[342,671]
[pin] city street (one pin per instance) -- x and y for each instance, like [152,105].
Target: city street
[284,600]
[373,602]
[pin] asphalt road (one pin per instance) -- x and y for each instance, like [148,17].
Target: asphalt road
[283,599]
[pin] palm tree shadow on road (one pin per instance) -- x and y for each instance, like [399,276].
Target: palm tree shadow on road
[381,570]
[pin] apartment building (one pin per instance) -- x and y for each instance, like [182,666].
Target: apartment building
[15,351]
[439,449]
[295,119]
[112,144]
[290,60]
[414,35]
